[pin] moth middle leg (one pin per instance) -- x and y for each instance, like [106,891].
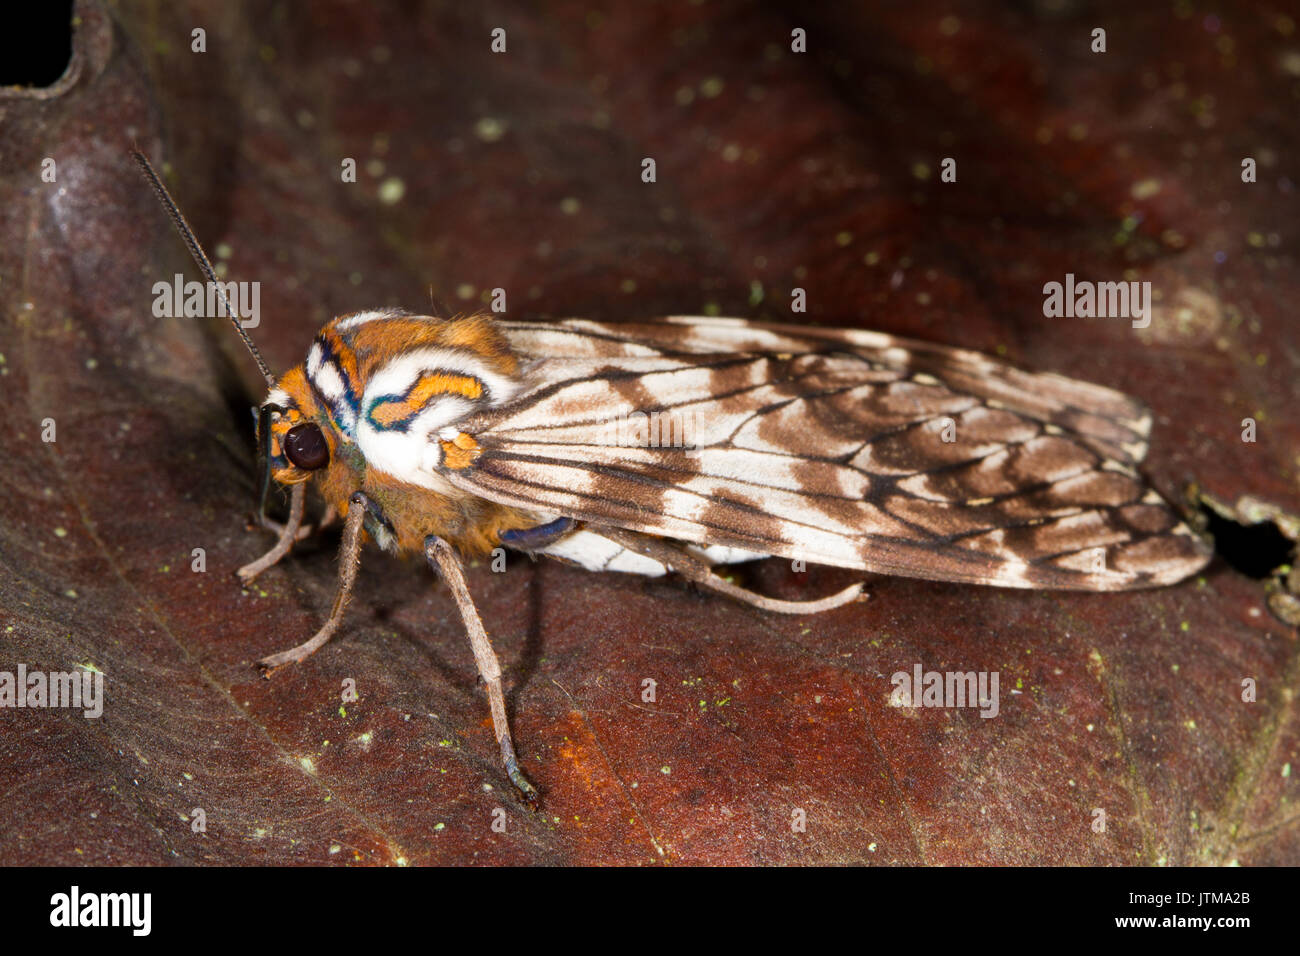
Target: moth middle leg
[288,535]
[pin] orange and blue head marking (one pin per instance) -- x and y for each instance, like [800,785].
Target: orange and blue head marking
[383,392]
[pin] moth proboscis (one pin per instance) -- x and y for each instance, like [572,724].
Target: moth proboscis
[454,436]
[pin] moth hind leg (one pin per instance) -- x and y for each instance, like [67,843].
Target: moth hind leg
[813,606]
[698,571]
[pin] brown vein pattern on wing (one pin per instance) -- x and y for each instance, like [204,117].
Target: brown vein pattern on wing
[1116,423]
[836,456]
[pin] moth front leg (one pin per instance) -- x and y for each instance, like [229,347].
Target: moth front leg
[327,518]
[444,560]
[349,559]
[288,535]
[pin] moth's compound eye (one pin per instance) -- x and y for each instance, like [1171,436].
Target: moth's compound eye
[305,446]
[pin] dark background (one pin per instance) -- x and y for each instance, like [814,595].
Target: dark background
[522,170]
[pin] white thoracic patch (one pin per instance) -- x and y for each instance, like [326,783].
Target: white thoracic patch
[328,382]
[398,375]
[412,456]
[413,453]
[325,375]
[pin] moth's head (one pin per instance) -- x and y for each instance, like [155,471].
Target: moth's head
[297,436]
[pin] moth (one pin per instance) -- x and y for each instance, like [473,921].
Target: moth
[454,436]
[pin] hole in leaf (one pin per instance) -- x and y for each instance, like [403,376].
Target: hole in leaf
[36,47]
[1256,550]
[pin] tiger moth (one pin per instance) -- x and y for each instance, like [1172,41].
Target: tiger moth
[450,437]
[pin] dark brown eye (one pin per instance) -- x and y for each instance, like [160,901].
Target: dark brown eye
[306,447]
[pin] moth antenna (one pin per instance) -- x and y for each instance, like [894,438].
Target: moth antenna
[200,257]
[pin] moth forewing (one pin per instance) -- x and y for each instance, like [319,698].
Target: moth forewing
[457,436]
[839,447]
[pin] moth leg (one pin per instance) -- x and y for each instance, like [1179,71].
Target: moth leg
[288,535]
[699,571]
[349,558]
[443,558]
[327,518]
[711,581]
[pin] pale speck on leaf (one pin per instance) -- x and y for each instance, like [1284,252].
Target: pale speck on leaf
[391,191]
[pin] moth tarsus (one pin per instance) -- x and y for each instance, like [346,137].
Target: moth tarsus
[456,435]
